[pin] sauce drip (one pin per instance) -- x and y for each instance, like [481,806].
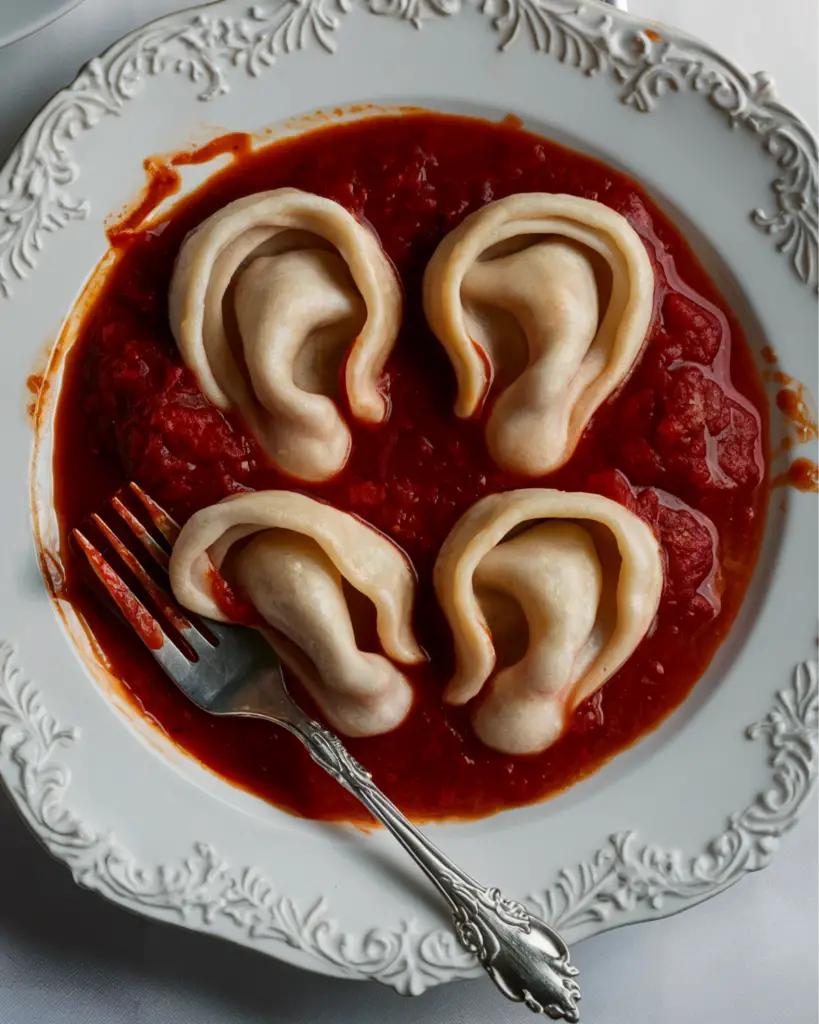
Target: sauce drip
[792,403]
[164,180]
[796,404]
[802,475]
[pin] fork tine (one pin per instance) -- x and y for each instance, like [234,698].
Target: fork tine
[194,635]
[157,592]
[206,660]
[134,611]
[156,551]
[166,525]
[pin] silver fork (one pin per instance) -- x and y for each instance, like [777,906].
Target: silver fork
[231,670]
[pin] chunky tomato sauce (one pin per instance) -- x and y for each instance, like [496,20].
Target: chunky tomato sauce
[681,443]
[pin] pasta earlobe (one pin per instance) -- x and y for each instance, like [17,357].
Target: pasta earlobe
[280,302]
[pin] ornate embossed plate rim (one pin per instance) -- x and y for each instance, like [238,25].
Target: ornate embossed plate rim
[202,890]
[622,880]
[643,62]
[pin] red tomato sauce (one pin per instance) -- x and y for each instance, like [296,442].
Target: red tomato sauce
[682,443]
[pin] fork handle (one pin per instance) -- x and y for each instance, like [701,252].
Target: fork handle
[527,960]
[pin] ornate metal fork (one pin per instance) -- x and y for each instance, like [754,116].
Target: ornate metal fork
[231,670]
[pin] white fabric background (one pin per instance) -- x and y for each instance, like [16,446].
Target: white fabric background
[67,957]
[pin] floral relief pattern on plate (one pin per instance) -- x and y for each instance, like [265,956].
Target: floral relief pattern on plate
[624,875]
[35,196]
[218,53]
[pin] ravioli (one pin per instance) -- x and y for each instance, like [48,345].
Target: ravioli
[568,582]
[272,299]
[549,297]
[289,555]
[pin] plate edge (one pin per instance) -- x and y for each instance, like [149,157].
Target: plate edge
[410,960]
[624,877]
[642,61]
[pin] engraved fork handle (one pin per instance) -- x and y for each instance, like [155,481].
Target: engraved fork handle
[526,959]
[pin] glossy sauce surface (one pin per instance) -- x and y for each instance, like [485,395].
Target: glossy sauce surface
[681,443]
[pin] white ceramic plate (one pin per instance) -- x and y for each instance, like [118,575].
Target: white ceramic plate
[687,812]
[19,18]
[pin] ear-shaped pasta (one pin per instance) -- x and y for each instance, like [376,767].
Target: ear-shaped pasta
[291,569]
[550,295]
[565,585]
[267,297]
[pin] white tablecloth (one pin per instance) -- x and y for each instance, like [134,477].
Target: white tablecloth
[67,957]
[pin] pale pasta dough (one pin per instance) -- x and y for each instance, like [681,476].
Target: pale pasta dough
[291,569]
[565,585]
[550,297]
[269,297]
